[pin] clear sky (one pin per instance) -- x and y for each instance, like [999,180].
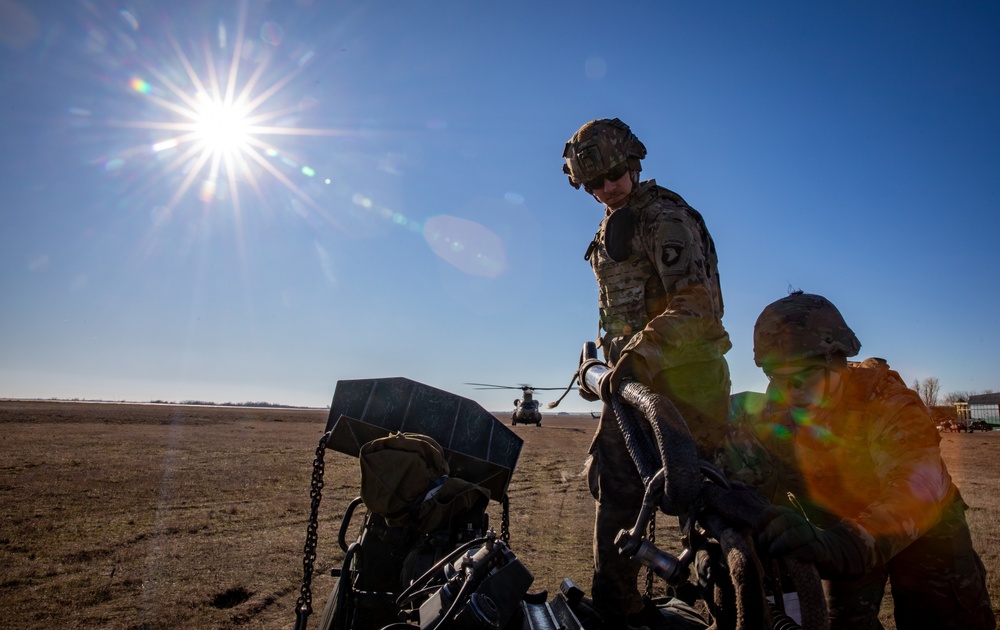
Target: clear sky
[387,198]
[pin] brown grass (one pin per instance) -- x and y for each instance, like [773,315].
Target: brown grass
[156,516]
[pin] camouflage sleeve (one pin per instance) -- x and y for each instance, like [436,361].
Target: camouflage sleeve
[689,328]
[915,484]
[744,458]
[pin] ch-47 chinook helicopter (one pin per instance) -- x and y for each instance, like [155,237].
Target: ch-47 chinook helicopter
[526,409]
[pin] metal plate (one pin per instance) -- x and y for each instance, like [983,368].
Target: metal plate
[478,447]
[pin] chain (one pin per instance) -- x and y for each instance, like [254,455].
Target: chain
[651,536]
[303,608]
[505,519]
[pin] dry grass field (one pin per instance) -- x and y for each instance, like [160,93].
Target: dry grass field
[157,516]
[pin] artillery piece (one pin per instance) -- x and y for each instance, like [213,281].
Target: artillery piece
[460,573]
[393,575]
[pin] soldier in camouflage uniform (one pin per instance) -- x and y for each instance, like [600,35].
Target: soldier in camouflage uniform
[849,457]
[661,315]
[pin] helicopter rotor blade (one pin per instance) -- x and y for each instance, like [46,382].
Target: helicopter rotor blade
[521,387]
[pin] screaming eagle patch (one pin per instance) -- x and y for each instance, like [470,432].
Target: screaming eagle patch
[672,253]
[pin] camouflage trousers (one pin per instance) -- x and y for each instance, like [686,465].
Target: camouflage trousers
[700,392]
[937,582]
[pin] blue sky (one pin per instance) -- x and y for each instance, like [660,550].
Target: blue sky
[398,208]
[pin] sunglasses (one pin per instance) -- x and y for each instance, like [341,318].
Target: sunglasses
[796,380]
[612,174]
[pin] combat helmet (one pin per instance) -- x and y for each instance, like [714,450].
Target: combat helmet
[599,146]
[802,326]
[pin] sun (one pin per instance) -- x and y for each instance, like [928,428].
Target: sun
[208,125]
[221,128]
[211,119]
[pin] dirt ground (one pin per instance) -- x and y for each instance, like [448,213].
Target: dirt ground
[129,516]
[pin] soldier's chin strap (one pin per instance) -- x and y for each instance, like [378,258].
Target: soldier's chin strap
[829,393]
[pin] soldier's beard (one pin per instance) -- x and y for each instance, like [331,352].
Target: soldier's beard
[618,205]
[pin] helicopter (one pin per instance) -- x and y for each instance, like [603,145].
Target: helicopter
[526,409]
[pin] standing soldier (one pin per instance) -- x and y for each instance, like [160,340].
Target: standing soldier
[850,459]
[661,315]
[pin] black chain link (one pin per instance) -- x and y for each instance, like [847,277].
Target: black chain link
[303,607]
[505,519]
[651,536]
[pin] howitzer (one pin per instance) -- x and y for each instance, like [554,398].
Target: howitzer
[467,576]
[391,553]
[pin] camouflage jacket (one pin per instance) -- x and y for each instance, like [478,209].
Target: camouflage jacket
[871,458]
[658,278]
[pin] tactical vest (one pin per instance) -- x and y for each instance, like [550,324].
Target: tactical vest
[631,290]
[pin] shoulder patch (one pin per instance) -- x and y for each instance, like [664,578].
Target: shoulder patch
[672,253]
[668,242]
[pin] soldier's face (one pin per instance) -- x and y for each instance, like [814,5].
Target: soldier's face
[613,192]
[804,387]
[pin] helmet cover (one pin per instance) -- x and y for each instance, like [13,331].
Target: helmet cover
[597,147]
[802,326]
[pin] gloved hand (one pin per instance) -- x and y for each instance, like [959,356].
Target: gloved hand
[586,365]
[836,551]
[629,367]
[605,386]
[586,394]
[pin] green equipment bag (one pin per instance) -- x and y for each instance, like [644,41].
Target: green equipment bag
[404,479]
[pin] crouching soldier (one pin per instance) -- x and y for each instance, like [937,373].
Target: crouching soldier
[849,458]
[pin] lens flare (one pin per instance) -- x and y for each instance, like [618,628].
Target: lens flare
[466,245]
[205,116]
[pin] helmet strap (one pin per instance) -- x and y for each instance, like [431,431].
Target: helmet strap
[828,393]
